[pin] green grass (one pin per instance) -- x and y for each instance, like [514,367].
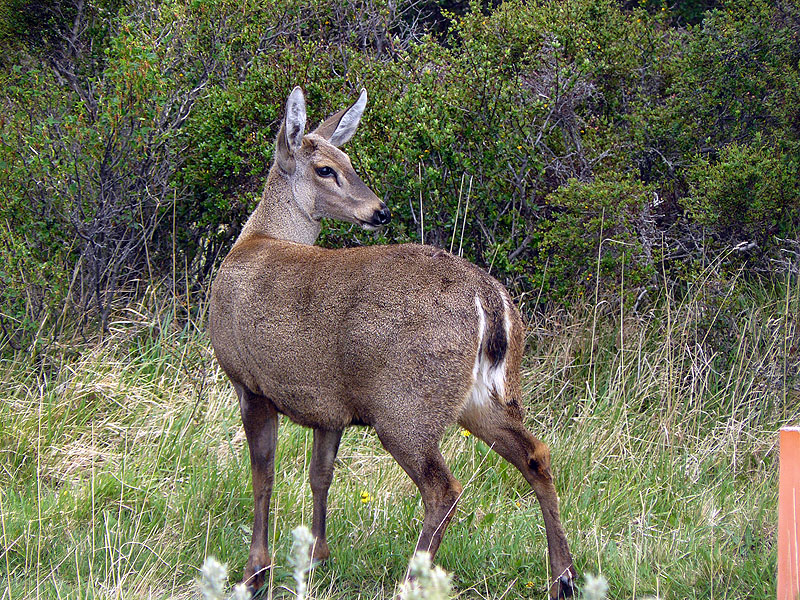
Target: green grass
[123,464]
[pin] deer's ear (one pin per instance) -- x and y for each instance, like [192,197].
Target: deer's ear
[290,137]
[339,128]
[295,119]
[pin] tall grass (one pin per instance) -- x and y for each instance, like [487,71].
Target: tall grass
[123,464]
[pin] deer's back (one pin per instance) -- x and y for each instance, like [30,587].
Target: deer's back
[335,337]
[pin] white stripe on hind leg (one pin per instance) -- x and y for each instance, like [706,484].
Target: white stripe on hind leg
[487,379]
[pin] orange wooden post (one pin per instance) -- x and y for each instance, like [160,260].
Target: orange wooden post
[789,515]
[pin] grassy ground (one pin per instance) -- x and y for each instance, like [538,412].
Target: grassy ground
[123,464]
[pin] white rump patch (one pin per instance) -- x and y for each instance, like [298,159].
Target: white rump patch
[487,379]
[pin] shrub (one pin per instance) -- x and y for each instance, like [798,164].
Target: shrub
[748,194]
[602,229]
[515,136]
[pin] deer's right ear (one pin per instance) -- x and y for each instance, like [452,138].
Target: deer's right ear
[339,128]
[290,137]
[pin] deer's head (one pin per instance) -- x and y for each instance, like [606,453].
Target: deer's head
[322,178]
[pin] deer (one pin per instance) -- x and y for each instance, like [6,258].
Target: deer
[405,338]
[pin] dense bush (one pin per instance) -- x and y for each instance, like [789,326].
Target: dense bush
[723,141]
[488,124]
[553,143]
[749,193]
[92,144]
[602,229]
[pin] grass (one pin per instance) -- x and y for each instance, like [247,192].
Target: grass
[123,464]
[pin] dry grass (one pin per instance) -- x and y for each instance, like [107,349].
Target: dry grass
[123,464]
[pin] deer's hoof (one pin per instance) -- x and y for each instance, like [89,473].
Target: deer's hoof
[566,587]
[320,552]
[255,577]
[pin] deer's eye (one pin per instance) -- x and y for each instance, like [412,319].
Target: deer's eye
[326,172]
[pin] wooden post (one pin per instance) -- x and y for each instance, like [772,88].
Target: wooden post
[789,515]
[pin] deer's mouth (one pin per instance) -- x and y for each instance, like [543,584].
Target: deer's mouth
[368,226]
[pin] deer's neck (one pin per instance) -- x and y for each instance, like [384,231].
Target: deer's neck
[279,215]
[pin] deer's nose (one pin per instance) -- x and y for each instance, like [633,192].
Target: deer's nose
[382,216]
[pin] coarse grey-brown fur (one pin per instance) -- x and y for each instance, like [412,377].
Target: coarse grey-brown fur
[394,337]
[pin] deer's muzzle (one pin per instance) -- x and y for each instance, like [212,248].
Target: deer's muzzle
[379,217]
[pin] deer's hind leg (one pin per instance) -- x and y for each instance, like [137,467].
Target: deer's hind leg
[260,420]
[504,432]
[326,445]
[418,454]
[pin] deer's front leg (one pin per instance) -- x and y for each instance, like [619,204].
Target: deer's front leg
[260,420]
[326,445]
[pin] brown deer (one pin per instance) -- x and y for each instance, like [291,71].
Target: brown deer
[405,338]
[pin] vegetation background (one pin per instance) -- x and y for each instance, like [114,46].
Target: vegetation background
[631,171]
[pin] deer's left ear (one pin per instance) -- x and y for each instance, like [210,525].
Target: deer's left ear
[339,128]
